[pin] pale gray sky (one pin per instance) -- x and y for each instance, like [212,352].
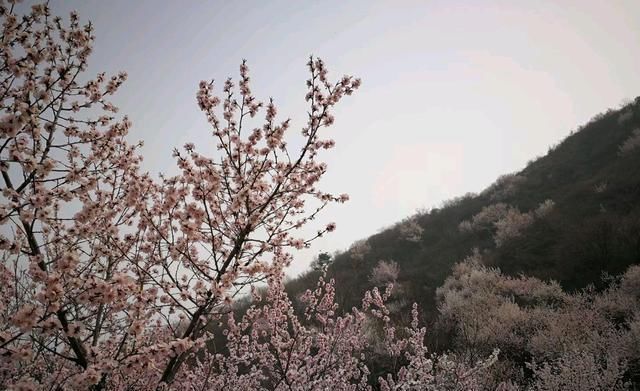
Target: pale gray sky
[454,93]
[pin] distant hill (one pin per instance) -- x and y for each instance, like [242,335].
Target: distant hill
[592,227]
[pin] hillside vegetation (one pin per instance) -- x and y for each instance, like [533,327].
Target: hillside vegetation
[569,216]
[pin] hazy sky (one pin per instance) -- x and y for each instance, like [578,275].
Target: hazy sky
[454,93]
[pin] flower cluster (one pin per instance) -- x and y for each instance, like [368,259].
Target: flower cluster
[585,340]
[507,221]
[271,348]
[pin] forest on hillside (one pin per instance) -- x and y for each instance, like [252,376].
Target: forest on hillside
[569,216]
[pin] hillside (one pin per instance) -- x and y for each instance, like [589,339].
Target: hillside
[593,226]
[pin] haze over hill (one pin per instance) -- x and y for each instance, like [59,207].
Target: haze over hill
[570,216]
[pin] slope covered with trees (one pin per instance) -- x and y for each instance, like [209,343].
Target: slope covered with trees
[569,216]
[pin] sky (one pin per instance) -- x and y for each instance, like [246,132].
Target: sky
[454,94]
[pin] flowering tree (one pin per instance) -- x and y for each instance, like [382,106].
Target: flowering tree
[105,272]
[505,187]
[384,273]
[410,230]
[272,349]
[485,218]
[507,220]
[631,143]
[227,222]
[71,189]
[359,250]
